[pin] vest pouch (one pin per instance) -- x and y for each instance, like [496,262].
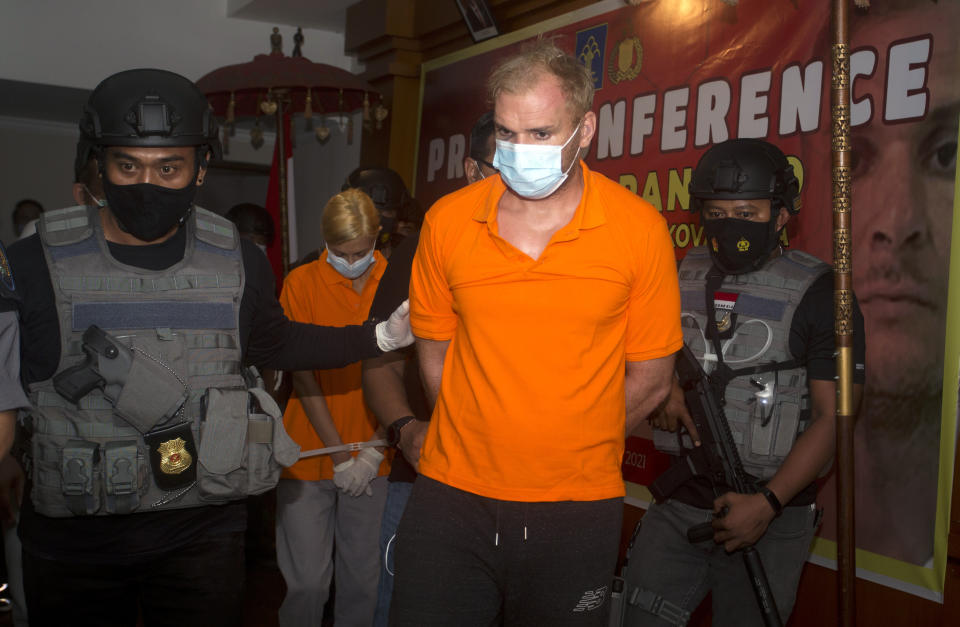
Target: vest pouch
[122,476]
[221,475]
[774,440]
[78,470]
[270,448]
[767,446]
[151,392]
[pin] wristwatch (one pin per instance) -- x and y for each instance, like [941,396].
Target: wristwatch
[771,498]
[393,431]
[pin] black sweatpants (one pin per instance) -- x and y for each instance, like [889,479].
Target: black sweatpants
[468,560]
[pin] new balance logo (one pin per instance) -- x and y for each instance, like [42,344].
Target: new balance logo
[591,600]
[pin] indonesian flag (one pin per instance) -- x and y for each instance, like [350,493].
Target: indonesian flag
[724,301]
[275,250]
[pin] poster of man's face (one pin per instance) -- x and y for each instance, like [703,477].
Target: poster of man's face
[906,103]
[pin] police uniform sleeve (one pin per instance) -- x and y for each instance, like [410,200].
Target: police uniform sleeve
[811,333]
[274,341]
[394,286]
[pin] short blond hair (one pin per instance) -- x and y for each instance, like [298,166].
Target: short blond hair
[349,215]
[520,72]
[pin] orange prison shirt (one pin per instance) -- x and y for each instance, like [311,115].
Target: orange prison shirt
[318,294]
[531,404]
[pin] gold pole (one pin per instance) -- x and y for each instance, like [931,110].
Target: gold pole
[284,217]
[843,311]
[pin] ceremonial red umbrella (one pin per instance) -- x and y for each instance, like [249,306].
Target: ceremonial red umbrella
[274,84]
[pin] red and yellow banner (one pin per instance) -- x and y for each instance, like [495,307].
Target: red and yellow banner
[674,78]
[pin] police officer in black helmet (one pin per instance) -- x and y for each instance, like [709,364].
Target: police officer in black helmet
[399,215]
[140,313]
[754,304]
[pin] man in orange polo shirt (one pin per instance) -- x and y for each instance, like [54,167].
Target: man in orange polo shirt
[546,309]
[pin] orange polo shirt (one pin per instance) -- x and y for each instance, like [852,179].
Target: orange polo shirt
[531,404]
[318,294]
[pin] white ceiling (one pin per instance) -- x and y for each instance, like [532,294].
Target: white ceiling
[329,15]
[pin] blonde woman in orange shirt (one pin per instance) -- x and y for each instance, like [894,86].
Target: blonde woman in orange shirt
[333,500]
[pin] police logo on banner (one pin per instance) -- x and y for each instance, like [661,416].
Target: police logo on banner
[591,46]
[626,59]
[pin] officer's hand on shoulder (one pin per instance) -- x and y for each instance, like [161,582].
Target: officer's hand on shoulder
[745,521]
[395,332]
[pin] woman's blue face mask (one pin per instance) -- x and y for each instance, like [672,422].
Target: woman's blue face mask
[350,270]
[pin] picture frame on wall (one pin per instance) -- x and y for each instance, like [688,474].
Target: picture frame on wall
[479,19]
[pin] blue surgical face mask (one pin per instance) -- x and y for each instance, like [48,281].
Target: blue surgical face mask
[533,170]
[350,270]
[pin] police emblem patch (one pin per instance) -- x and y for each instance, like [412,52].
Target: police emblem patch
[174,457]
[743,245]
[626,60]
[6,274]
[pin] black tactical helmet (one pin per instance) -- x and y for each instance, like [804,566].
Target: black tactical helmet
[383,185]
[147,108]
[745,168]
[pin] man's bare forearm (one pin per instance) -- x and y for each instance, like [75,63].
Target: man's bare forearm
[383,387]
[646,388]
[432,354]
[812,453]
[315,407]
[8,421]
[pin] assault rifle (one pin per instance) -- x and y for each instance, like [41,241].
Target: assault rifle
[718,459]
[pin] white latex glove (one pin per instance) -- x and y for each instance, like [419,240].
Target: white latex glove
[353,477]
[395,332]
[341,478]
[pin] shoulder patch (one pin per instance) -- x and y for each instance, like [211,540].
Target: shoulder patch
[6,273]
[214,229]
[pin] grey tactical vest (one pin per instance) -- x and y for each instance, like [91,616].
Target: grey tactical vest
[766,411]
[181,325]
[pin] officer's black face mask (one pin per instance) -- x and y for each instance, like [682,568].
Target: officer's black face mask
[147,211]
[739,246]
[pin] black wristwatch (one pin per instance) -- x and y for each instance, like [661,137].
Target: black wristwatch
[771,498]
[393,431]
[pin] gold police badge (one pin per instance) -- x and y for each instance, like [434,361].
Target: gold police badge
[174,457]
[626,60]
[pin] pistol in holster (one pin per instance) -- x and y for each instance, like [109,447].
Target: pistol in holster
[107,364]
